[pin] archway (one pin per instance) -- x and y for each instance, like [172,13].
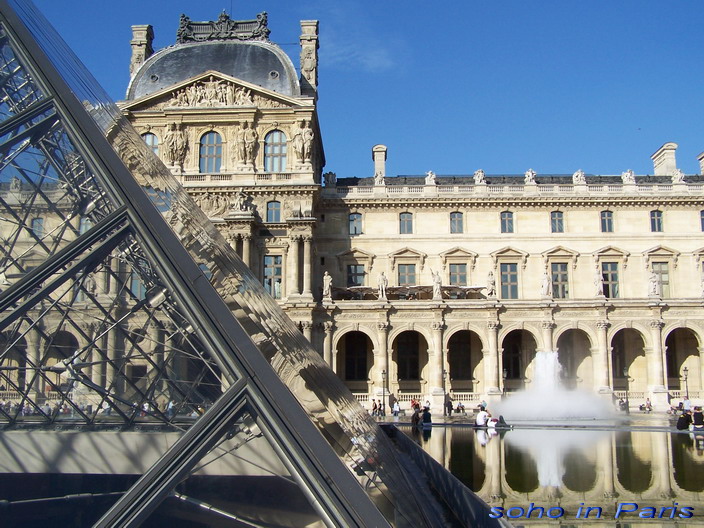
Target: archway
[62,346]
[13,360]
[409,354]
[628,363]
[518,353]
[573,352]
[355,358]
[682,351]
[464,356]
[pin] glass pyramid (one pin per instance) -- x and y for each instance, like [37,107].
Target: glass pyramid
[145,375]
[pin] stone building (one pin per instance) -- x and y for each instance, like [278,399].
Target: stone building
[432,285]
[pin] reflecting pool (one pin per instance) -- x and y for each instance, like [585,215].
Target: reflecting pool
[632,475]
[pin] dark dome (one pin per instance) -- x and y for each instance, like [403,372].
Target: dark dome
[258,63]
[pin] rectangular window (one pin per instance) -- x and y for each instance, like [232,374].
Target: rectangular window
[656,221]
[456,223]
[406,223]
[662,272]
[560,285]
[507,222]
[38,227]
[137,286]
[557,224]
[609,275]
[355,224]
[458,274]
[355,275]
[701,219]
[607,222]
[273,212]
[509,281]
[273,275]
[406,274]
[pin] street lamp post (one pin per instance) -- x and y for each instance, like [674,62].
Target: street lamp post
[384,392]
[685,371]
[628,403]
[444,392]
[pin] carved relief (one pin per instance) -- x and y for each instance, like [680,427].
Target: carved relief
[175,145]
[211,93]
[302,143]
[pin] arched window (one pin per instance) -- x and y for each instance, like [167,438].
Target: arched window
[152,142]
[273,212]
[456,222]
[38,227]
[275,151]
[210,152]
[355,224]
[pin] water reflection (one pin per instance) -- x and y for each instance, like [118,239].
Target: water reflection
[597,477]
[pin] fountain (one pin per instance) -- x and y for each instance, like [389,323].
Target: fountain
[547,400]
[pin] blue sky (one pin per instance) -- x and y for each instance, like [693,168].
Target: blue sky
[456,86]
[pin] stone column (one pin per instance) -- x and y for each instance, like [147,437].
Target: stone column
[307,268]
[600,358]
[307,328]
[491,360]
[111,351]
[292,267]
[656,369]
[661,466]
[547,327]
[436,366]
[34,354]
[381,356]
[246,249]
[605,463]
[327,343]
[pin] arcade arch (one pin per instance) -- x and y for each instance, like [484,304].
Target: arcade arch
[628,362]
[464,357]
[355,358]
[573,352]
[519,348]
[682,351]
[409,356]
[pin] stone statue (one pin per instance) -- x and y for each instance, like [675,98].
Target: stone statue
[327,286]
[250,143]
[653,285]
[176,145]
[382,283]
[437,285]
[546,285]
[240,203]
[90,285]
[308,136]
[238,149]
[297,142]
[490,285]
[598,282]
[15,184]
[430,178]
[628,177]
[677,176]
[529,176]
[578,178]
[330,178]
[479,177]
[379,179]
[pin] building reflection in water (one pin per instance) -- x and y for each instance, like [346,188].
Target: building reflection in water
[661,472]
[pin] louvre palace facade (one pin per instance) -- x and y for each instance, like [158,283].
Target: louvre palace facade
[431,285]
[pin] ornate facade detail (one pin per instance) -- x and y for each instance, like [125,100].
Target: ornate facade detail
[213,204]
[211,94]
[302,142]
[603,324]
[493,325]
[547,325]
[383,326]
[437,325]
[656,324]
[430,178]
[677,176]
[479,177]
[529,176]
[628,177]
[224,28]
[175,145]
[578,178]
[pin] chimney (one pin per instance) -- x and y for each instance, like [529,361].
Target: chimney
[664,160]
[701,163]
[309,57]
[379,157]
[142,38]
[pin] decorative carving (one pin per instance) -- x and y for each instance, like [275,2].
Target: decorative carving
[628,177]
[529,176]
[656,324]
[211,93]
[309,64]
[653,284]
[244,147]
[328,326]
[224,28]
[547,325]
[176,145]
[603,324]
[598,282]
[430,178]
[379,178]
[382,326]
[213,204]
[677,176]
[330,178]
[242,202]
[493,325]
[546,285]
[578,178]
[437,325]
[479,177]
[437,285]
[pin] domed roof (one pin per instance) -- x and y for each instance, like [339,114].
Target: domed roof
[257,62]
